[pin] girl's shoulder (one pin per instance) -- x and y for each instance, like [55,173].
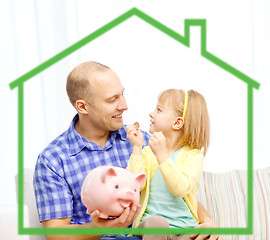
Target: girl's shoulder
[188,149]
[187,152]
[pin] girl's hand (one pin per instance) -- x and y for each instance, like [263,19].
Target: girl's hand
[157,144]
[135,136]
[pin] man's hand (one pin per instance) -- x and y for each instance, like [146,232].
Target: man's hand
[207,224]
[126,218]
[123,221]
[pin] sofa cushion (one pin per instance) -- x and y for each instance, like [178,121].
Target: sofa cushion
[224,195]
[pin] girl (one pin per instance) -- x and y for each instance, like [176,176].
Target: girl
[173,161]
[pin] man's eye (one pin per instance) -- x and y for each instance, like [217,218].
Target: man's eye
[116,186]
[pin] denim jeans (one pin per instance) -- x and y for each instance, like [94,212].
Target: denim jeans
[119,237]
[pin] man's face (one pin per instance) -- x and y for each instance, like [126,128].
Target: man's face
[108,102]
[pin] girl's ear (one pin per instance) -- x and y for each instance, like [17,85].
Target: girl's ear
[81,106]
[179,123]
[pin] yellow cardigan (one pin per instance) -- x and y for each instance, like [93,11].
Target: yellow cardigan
[181,176]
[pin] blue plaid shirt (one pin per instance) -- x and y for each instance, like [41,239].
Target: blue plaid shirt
[63,165]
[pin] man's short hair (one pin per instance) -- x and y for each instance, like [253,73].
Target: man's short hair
[79,80]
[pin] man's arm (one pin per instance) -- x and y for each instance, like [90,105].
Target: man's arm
[204,216]
[65,222]
[123,221]
[205,222]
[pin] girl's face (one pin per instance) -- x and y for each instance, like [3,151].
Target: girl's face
[162,119]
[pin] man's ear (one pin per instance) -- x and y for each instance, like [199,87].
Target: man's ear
[81,106]
[179,123]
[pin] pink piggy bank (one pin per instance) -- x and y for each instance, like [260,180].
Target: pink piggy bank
[110,190]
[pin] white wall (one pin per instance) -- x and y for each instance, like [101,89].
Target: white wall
[146,60]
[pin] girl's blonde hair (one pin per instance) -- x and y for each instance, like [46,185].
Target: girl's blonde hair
[196,129]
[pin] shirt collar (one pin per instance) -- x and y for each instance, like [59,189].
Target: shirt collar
[77,142]
[119,133]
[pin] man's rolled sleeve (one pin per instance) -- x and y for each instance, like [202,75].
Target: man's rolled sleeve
[53,196]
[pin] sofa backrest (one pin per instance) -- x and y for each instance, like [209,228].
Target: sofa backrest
[224,195]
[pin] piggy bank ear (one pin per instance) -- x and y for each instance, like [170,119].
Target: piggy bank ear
[140,177]
[107,174]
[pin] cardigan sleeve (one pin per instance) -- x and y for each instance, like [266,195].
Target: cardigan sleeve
[139,163]
[135,163]
[183,175]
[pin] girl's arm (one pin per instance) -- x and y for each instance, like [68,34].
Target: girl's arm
[134,135]
[181,176]
[135,163]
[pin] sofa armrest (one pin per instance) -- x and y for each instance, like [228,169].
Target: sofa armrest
[9,222]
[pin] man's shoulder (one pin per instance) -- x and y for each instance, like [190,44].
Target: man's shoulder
[57,146]
[61,144]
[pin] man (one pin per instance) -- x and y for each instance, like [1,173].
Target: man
[95,137]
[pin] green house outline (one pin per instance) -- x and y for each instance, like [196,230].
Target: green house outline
[185,40]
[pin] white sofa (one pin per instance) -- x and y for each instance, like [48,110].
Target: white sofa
[9,213]
[224,195]
[9,223]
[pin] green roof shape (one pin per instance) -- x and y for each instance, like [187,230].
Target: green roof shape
[185,40]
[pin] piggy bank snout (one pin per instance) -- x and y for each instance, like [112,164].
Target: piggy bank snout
[127,199]
[129,196]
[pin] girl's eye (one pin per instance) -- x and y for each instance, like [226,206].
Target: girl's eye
[116,186]
[159,109]
[135,190]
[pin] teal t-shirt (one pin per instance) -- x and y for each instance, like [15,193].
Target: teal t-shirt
[163,203]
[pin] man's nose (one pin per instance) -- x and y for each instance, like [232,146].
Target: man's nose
[123,104]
